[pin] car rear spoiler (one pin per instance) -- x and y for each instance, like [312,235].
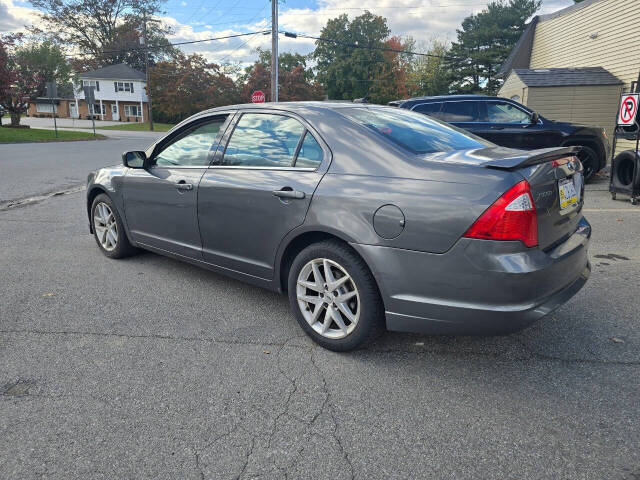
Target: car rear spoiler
[535,157]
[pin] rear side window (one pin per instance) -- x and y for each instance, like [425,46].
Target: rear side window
[466,111]
[413,131]
[263,140]
[432,109]
[310,154]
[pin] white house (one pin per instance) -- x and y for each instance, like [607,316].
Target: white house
[119,94]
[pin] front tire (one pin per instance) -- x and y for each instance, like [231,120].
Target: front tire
[334,296]
[108,229]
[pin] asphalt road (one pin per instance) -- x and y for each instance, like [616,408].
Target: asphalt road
[38,168]
[148,368]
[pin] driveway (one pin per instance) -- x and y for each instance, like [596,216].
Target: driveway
[149,368]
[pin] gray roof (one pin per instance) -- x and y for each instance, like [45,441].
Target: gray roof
[557,77]
[520,56]
[120,71]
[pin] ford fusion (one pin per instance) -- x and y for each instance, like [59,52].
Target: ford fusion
[368,217]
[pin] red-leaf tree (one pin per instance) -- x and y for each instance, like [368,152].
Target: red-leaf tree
[19,81]
[295,81]
[188,84]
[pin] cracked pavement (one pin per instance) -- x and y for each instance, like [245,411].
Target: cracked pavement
[152,368]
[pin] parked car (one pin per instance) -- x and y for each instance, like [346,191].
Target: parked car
[366,216]
[511,124]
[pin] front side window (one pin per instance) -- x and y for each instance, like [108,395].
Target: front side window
[502,112]
[263,140]
[192,147]
[465,111]
[413,131]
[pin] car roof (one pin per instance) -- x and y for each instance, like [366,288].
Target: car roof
[442,98]
[293,106]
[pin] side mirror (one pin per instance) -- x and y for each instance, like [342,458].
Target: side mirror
[135,159]
[534,118]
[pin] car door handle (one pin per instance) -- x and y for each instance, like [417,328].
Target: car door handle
[287,192]
[182,185]
[497,128]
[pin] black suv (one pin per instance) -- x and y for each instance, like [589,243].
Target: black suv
[510,124]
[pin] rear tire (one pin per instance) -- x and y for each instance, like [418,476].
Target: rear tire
[334,296]
[108,229]
[590,162]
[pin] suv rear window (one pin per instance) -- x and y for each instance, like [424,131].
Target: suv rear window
[413,131]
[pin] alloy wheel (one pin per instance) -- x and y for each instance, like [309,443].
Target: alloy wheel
[105,226]
[328,298]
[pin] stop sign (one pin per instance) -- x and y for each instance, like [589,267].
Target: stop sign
[257,96]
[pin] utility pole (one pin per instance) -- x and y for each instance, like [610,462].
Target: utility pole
[274,50]
[146,65]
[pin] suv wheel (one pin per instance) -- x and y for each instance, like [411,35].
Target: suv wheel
[590,162]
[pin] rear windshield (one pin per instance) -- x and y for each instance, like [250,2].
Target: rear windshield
[414,131]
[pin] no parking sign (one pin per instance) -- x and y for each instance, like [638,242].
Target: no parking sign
[628,109]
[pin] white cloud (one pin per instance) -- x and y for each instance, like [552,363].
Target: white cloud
[13,18]
[425,23]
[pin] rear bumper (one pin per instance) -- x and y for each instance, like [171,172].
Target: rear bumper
[479,287]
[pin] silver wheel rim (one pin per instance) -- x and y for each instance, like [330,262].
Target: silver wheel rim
[105,226]
[328,298]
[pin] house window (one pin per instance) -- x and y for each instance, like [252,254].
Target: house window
[44,108]
[99,111]
[132,111]
[123,86]
[90,83]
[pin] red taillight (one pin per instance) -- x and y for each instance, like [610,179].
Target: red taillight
[512,217]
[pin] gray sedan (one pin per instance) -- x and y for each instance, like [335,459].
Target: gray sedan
[368,217]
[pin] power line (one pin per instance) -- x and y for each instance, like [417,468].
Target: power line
[395,7]
[106,52]
[364,47]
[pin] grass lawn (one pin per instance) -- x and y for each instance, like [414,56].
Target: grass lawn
[11,135]
[157,127]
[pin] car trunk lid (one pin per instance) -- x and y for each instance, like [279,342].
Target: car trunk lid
[555,178]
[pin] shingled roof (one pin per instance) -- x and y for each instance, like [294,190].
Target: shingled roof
[120,71]
[558,77]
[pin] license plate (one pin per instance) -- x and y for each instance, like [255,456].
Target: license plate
[568,193]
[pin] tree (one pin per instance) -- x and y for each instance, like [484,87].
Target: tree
[188,84]
[428,75]
[295,81]
[393,77]
[19,80]
[46,61]
[484,42]
[345,70]
[106,31]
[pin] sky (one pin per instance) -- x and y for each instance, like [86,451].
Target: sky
[424,20]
